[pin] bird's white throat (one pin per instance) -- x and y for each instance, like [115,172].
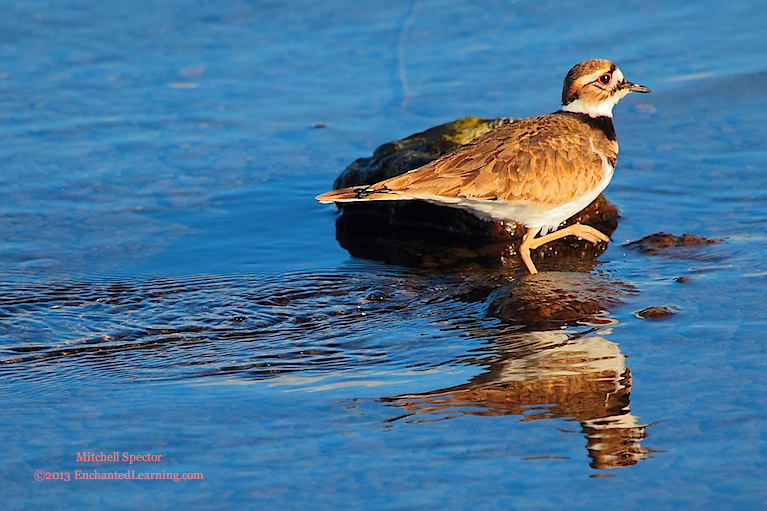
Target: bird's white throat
[601,109]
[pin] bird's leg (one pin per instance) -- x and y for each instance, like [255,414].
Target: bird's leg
[582,231]
[524,249]
[530,242]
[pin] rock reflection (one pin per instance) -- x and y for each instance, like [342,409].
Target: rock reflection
[541,375]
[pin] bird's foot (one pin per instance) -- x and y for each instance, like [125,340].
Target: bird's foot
[589,233]
[581,231]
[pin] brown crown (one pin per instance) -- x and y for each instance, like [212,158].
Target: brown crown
[585,68]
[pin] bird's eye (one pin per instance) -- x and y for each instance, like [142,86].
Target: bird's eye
[605,78]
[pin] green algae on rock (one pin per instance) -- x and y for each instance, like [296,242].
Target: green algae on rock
[397,157]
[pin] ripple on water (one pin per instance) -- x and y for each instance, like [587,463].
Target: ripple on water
[206,326]
[317,331]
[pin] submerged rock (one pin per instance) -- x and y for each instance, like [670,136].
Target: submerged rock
[660,242]
[657,312]
[419,234]
[549,299]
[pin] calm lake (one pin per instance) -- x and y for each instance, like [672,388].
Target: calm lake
[171,287]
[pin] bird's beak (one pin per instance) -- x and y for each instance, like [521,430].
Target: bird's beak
[633,87]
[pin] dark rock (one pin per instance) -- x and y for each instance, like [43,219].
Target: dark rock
[549,299]
[418,234]
[657,312]
[660,242]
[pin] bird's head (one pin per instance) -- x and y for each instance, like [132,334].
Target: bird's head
[594,87]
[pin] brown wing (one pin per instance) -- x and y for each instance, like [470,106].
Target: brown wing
[548,160]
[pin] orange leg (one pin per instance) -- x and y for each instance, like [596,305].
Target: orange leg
[530,243]
[524,249]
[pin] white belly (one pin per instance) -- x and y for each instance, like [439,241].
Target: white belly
[527,213]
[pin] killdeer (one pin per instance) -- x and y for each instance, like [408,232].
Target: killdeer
[537,172]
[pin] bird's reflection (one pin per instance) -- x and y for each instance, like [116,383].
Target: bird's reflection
[540,375]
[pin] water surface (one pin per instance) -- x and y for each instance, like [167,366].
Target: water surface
[170,285]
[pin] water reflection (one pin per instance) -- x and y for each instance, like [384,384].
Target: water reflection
[343,328]
[541,375]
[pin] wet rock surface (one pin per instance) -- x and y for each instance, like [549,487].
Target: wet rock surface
[546,300]
[663,242]
[418,234]
[657,312]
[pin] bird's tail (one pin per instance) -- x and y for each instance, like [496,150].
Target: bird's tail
[358,193]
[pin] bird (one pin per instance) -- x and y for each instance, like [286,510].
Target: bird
[537,171]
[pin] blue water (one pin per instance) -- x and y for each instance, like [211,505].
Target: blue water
[170,286]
